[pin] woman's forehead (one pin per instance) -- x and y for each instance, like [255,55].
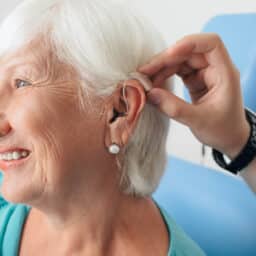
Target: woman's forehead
[33,54]
[39,56]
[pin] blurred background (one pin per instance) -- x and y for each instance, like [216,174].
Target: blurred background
[176,18]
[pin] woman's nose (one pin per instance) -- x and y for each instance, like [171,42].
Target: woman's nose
[5,127]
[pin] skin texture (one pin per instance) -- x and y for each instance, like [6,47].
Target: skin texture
[70,179]
[216,116]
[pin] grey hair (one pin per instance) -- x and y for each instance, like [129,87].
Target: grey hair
[104,41]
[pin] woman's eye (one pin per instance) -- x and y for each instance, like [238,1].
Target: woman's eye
[21,83]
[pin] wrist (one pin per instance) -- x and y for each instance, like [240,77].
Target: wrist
[239,161]
[240,140]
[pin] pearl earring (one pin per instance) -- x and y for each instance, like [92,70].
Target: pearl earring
[114,149]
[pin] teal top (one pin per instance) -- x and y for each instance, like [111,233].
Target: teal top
[13,216]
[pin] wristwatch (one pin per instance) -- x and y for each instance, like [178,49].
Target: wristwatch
[247,154]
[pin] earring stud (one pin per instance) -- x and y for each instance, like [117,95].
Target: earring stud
[114,149]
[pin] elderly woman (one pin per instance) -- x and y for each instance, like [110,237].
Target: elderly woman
[81,150]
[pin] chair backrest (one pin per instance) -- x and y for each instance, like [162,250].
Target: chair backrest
[237,33]
[217,209]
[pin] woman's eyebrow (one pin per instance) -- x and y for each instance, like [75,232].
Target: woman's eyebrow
[23,64]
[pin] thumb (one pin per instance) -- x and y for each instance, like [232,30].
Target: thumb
[173,106]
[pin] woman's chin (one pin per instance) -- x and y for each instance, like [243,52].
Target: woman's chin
[15,193]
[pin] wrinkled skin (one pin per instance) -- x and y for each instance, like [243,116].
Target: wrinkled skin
[70,179]
[46,119]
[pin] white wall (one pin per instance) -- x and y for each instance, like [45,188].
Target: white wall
[176,18]
[6,6]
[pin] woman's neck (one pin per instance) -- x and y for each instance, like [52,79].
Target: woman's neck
[99,227]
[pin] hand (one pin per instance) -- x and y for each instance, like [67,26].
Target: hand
[216,116]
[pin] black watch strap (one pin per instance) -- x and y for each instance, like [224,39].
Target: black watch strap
[247,154]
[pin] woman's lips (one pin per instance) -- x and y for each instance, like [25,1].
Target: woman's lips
[8,165]
[12,149]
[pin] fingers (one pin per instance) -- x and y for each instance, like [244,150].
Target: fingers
[183,70]
[208,44]
[197,50]
[197,61]
[169,58]
[172,106]
[201,43]
[159,79]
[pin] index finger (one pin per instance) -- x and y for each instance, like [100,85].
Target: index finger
[207,44]
[173,56]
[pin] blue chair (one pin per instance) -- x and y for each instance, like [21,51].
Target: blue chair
[217,209]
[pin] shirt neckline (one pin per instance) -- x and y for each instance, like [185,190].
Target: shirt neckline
[164,215]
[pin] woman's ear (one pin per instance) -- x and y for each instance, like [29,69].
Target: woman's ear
[123,112]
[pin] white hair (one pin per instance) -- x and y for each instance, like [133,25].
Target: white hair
[104,41]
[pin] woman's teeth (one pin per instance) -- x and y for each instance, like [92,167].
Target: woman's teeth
[15,155]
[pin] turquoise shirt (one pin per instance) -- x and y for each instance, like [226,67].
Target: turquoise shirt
[13,216]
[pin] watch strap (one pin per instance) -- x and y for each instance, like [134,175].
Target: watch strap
[246,155]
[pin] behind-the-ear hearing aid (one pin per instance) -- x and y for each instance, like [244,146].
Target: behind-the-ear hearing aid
[143,79]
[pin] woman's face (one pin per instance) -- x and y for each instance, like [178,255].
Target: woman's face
[39,112]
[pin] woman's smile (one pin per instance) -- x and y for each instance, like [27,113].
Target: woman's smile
[13,158]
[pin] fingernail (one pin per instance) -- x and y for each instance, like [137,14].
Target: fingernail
[154,98]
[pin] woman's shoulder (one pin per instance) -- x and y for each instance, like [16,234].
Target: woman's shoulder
[12,217]
[181,243]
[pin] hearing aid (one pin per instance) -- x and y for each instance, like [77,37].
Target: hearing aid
[143,79]
[146,83]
